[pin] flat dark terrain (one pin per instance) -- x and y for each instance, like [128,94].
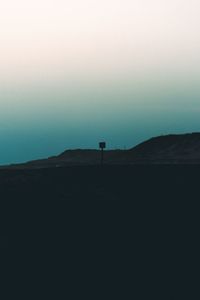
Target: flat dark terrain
[113,228]
[129,199]
[98,183]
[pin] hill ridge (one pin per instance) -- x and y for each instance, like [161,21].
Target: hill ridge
[163,149]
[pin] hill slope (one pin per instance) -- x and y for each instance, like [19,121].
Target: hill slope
[169,149]
[183,148]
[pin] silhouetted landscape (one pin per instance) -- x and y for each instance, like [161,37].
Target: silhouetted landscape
[157,178]
[169,149]
[100,148]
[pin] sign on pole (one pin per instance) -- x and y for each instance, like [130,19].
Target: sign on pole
[102,146]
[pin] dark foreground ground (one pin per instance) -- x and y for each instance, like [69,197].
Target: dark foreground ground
[149,194]
[113,229]
[98,183]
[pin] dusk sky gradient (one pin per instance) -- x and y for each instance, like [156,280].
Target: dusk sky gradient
[75,72]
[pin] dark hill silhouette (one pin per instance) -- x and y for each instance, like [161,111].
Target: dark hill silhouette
[168,149]
[182,148]
[135,204]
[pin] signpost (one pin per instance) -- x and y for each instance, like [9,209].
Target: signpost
[102,146]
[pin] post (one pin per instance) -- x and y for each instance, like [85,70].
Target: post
[102,156]
[102,146]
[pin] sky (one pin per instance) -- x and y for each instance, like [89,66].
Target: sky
[75,72]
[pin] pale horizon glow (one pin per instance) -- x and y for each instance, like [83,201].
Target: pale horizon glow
[122,70]
[95,37]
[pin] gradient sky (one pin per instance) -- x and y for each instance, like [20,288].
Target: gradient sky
[73,72]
